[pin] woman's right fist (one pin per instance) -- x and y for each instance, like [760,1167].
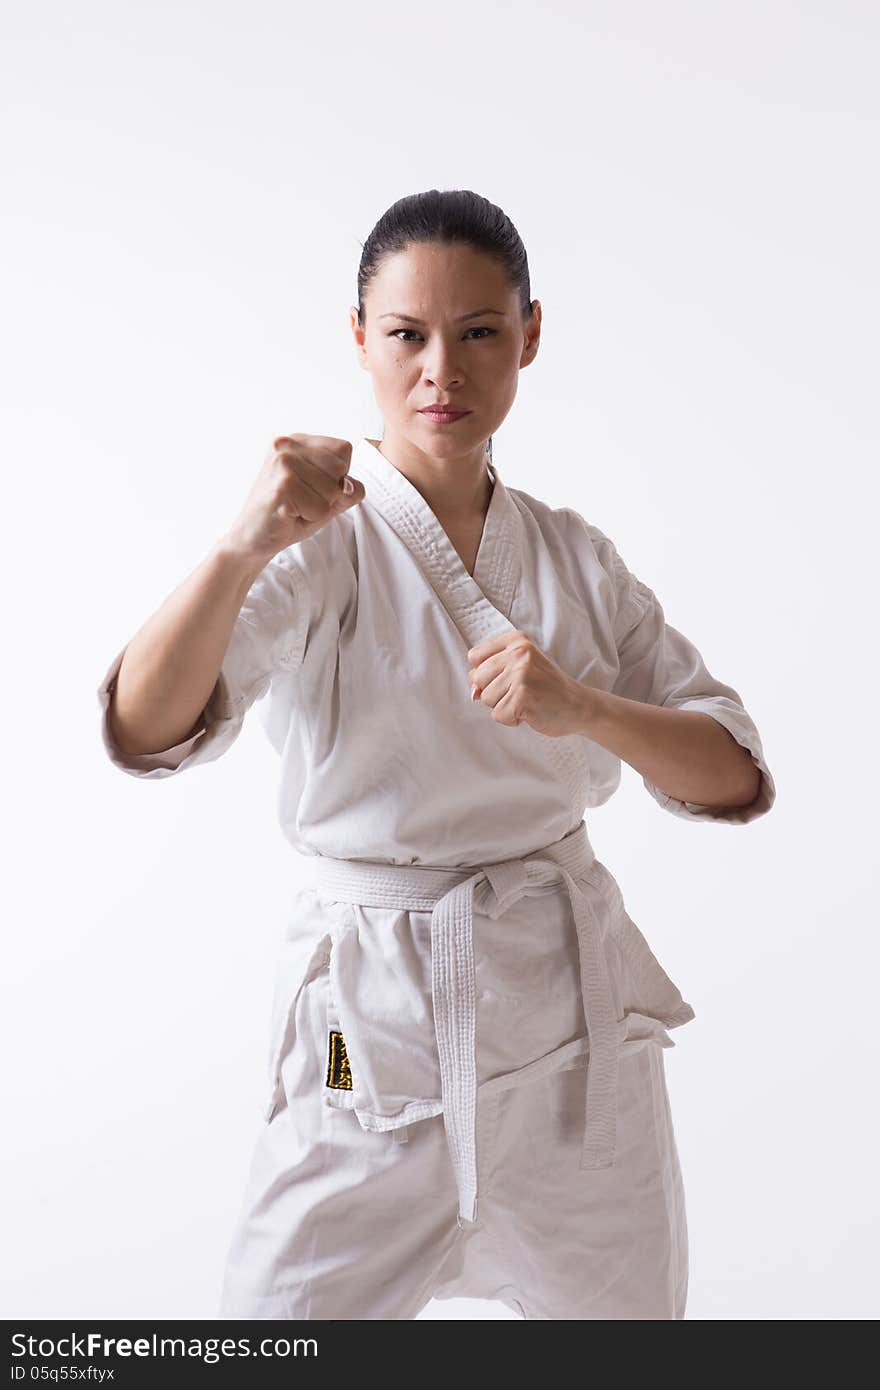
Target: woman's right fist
[300,487]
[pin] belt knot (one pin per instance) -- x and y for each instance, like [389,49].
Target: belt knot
[508,879]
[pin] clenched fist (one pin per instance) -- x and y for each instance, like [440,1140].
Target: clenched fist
[520,684]
[302,485]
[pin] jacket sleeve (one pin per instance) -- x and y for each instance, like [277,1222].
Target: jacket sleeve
[660,666]
[269,635]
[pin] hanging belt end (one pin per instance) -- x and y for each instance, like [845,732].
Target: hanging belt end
[591,1161]
[469,1214]
[599,1152]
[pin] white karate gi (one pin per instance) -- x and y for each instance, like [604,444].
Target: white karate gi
[466,1092]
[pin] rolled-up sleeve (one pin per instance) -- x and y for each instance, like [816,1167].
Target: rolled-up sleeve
[270,634]
[660,666]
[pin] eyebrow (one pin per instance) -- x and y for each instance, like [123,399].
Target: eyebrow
[477,313]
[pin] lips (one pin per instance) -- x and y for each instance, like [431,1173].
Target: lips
[441,412]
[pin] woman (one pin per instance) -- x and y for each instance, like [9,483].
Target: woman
[466,1089]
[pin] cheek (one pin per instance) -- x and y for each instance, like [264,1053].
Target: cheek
[394,370]
[502,371]
[505,391]
[388,382]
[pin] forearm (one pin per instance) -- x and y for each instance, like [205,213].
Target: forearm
[685,753]
[171,665]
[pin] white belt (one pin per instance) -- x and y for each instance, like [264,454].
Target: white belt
[448,894]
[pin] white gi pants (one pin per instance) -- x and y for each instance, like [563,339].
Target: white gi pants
[561,1199]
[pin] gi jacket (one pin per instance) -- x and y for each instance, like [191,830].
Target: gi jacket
[357,637]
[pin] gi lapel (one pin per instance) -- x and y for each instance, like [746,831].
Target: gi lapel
[478,605]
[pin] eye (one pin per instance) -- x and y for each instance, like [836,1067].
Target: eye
[394,332]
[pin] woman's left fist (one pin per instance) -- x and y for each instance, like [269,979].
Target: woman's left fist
[522,685]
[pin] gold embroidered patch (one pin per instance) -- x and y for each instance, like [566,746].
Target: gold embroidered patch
[338,1069]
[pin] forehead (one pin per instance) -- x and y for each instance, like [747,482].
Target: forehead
[426,273]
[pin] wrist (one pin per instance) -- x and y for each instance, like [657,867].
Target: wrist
[590,709]
[230,551]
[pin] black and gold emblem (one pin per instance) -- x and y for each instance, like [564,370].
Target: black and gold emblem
[338,1069]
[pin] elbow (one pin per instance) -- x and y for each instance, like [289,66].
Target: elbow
[749,790]
[745,775]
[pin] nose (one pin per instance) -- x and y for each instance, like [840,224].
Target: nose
[443,372]
[444,384]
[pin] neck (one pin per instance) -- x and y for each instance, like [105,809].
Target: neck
[457,489]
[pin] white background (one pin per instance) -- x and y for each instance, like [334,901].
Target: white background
[187,188]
